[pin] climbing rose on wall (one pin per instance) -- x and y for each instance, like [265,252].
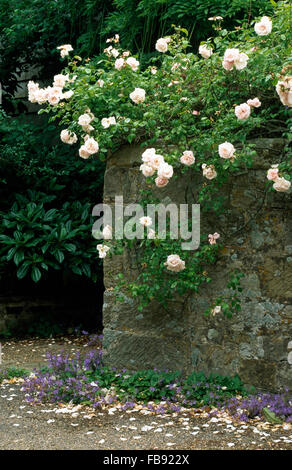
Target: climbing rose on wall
[67,137]
[162,45]
[226,150]
[263,27]
[242,111]
[205,51]
[174,263]
[138,95]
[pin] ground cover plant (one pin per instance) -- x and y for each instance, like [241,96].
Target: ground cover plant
[86,380]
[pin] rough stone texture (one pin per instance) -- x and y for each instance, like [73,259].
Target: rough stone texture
[256,231]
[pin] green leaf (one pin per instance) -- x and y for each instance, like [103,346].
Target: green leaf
[22,271]
[271,417]
[59,255]
[36,274]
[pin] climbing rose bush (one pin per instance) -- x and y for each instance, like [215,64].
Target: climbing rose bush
[194,114]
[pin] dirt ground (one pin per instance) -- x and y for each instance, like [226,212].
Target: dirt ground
[65,427]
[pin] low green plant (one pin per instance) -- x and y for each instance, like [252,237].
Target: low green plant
[36,237]
[13,372]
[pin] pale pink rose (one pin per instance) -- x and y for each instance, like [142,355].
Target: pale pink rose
[241,62]
[284,90]
[226,150]
[264,27]
[68,137]
[234,58]
[165,170]
[65,49]
[84,119]
[60,80]
[146,221]
[107,122]
[281,184]
[231,55]
[33,89]
[215,18]
[91,146]
[187,158]
[254,103]
[147,155]
[160,181]
[147,170]
[133,63]
[195,112]
[227,65]
[42,95]
[32,86]
[119,63]
[155,161]
[273,173]
[242,111]
[138,95]
[126,53]
[209,171]
[161,45]
[213,237]
[205,51]
[54,95]
[174,263]
[107,232]
[100,83]
[83,153]
[153,70]
[102,250]
[88,128]
[114,53]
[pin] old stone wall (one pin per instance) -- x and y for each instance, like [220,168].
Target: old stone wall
[256,229]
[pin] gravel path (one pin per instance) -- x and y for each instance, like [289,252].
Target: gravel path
[40,427]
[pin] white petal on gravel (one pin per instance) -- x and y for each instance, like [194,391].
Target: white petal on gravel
[123,438]
[15,424]
[50,421]
[230,444]
[132,419]
[195,433]
[74,424]
[146,428]
[90,432]
[136,437]
[169,435]
[170,444]
[101,441]
[158,430]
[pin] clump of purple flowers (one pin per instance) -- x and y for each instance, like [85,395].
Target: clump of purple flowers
[65,380]
[280,404]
